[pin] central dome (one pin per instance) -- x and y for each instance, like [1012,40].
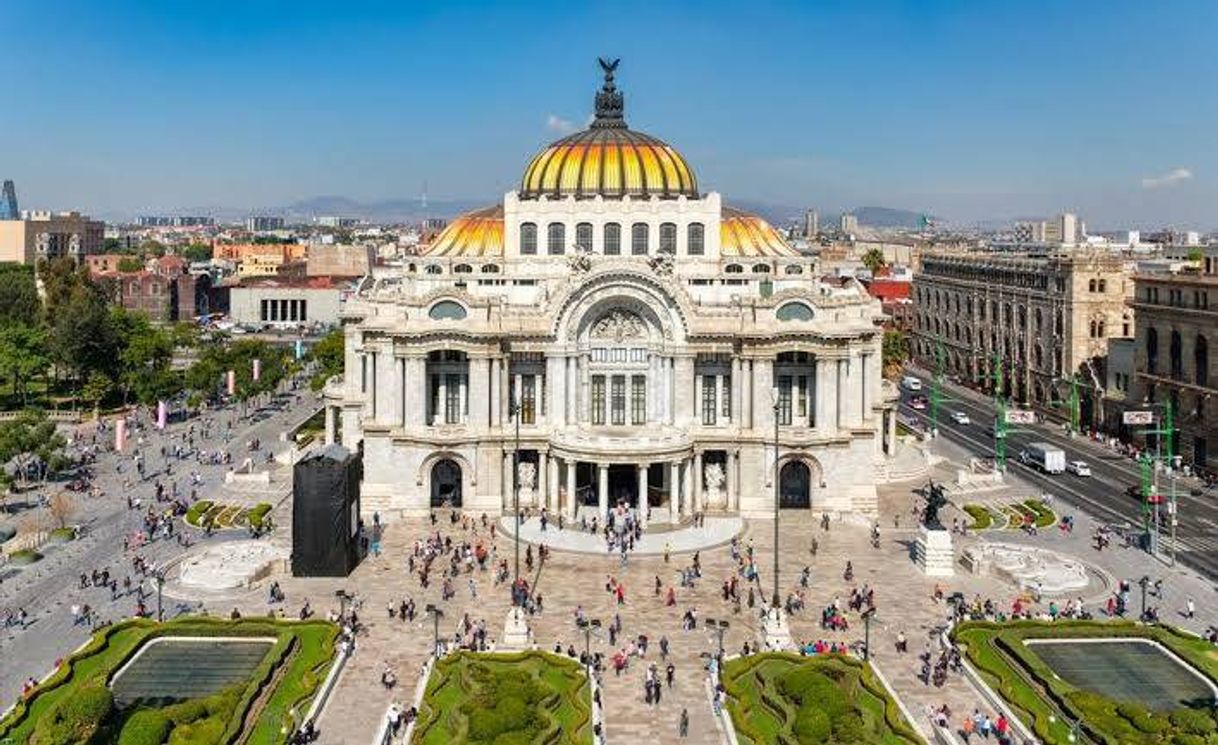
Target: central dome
[608,159]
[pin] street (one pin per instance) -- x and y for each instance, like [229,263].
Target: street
[1103,494]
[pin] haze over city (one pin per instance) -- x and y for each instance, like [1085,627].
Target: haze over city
[968,111]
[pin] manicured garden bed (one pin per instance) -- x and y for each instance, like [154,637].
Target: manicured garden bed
[24,556]
[1041,697]
[788,699]
[523,697]
[74,705]
[982,517]
[224,516]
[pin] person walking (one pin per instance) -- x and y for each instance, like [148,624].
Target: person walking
[1190,608]
[683,726]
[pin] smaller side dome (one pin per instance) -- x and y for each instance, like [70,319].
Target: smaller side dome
[477,233]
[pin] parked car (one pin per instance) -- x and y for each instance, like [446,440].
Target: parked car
[959,417]
[911,384]
[918,402]
[1078,468]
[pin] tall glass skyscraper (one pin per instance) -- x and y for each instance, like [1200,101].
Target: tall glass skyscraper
[8,202]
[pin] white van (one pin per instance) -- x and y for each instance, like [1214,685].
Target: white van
[911,384]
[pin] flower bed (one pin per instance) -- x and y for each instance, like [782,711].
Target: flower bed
[523,697]
[1040,696]
[302,652]
[225,516]
[785,698]
[982,517]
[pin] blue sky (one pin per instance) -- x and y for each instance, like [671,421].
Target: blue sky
[970,110]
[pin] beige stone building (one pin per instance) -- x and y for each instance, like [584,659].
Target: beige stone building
[1046,318]
[654,348]
[50,235]
[1176,315]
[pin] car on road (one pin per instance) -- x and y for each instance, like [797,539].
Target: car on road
[959,417]
[1078,468]
[917,402]
[911,384]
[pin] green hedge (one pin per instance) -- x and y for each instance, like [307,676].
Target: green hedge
[197,510]
[76,719]
[258,514]
[1044,516]
[788,698]
[982,517]
[25,556]
[1038,694]
[301,650]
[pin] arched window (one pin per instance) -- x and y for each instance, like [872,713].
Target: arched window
[1103,285]
[528,238]
[1201,361]
[638,239]
[1093,334]
[696,238]
[1103,330]
[794,312]
[613,239]
[462,269]
[447,310]
[794,269]
[733,269]
[668,238]
[761,269]
[490,268]
[556,238]
[1152,349]
[1039,319]
[1091,286]
[433,269]
[583,236]
[1176,352]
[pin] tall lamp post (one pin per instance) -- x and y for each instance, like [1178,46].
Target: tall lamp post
[436,614]
[720,627]
[159,576]
[774,601]
[587,624]
[514,412]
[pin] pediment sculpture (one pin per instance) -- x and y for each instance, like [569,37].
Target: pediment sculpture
[619,325]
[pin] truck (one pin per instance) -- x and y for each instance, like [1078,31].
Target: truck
[1046,457]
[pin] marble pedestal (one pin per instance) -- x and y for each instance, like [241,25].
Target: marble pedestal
[933,552]
[516,634]
[775,633]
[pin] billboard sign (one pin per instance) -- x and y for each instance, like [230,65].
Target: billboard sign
[1020,416]
[1138,417]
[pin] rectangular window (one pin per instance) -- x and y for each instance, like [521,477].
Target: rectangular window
[363,373]
[617,400]
[638,400]
[696,238]
[802,398]
[528,238]
[304,310]
[452,398]
[726,397]
[613,239]
[638,239]
[708,400]
[784,399]
[598,399]
[434,402]
[528,399]
[583,236]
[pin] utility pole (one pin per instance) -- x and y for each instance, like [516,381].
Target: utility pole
[1074,405]
[936,386]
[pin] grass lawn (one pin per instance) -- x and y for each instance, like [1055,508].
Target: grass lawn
[522,697]
[788,699]
[297,662]
[1040,696]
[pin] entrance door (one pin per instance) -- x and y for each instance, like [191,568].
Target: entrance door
[795,486]
[623,485]
[446,484]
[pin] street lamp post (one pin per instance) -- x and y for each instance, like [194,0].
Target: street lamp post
[587,624]
[1143,583]
[774,602]
[436,614]
[159,576]
[867,614]
[720,627]
[514,410]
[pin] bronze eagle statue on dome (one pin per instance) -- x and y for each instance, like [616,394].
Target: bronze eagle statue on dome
[609,67]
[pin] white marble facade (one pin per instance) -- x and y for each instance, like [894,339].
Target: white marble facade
[650,375]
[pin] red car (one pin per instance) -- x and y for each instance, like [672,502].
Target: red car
[918,403]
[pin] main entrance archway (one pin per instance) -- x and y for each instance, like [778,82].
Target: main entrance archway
[795,485]
[446,484]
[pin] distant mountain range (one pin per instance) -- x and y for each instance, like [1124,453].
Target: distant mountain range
[411,210]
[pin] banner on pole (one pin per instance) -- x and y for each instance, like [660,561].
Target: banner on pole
[120,435]
[1138,417]
[162,414]
[299,349]
[1020,416]
[257,368]
[231,382]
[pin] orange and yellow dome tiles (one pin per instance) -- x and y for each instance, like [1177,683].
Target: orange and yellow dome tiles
[611,163]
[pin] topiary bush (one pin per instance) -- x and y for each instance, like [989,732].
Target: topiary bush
[257,515]
[75,720]
[145,727]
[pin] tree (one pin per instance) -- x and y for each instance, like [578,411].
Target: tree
[83,338]
[329,355]
[61,507]
[218,356]
[96,388]
[22,355]
[19,301]
[130,264]
[59,277]
[31,443]
[152,248]
[874,260]
[895,353]
[197,252]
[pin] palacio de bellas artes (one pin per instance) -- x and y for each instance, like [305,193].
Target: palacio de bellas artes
[619,338]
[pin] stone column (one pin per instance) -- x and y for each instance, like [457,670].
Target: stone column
[736,418]
[642,506]
[696,501]
[399,384]
[387,398]
[493,385]
[572,500]
[552,500]
[746,394]
[330,424]
[439,415]
[508,490]
[568,392]
[683,371]
[729,481]
[542,492]
[696,413]
[853,393]
[670,393]
[479,392]
[892,431]
[675,501]
[556,378]
[602,489]
[763,383]
[826,395]
[839,390]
